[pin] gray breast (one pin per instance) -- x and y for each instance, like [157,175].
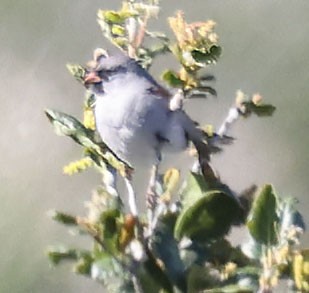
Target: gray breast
[129,118]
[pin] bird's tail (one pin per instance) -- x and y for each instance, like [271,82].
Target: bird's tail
[196,136]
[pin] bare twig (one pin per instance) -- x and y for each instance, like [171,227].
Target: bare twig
[231,118]
[137,285]
[131,197]
[152,197]
[109,180]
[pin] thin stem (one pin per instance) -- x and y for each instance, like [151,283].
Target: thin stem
[109,180]
[152,196]
[141,32]
[137,285]
[151,193]
[196,167]
[231,118]
[131,197]
[133,207]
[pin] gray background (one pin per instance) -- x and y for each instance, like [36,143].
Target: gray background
[266,49]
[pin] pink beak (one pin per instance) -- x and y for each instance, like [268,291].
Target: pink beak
[92,77]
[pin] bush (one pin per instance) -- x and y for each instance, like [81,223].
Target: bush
[182,246]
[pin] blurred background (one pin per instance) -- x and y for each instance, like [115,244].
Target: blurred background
[265,49]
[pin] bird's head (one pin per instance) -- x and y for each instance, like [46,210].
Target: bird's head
[103,67]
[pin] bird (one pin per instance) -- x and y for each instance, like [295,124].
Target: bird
[135,116]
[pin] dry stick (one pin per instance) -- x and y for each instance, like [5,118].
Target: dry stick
[153,210]
[151,191]
[136,34]
[155,218]
[141,33]
[132,28]
[231,118]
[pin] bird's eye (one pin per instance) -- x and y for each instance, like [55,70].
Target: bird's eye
[104,74]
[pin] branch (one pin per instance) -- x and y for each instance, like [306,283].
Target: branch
[231,118]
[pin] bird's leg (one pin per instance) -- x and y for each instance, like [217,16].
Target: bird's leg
[109,180]
[131,196]
[133,205]
[196,167]
[152,196]
[151,193]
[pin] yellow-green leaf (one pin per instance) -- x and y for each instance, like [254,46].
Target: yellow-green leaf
[301,270]
[209,217]
[172,78]
[263,218]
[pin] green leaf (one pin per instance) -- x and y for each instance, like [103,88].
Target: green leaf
[77,71]
[263,218]
[111,230]
[249,276]
[219,252]
[222,252]
[230,289]
[112,17]
[202,91]
[301,270]
[152,278]
[209,217]
[170,182]
[172,79]
[206,77]
[208,57]
[200,278]
[83,266]
[67,125]
[166,249]
[104,268]
[195,187]
[118,30]
[249,271]
[58,254]
[120,42]
[260,110]
[63,218]
[89,99]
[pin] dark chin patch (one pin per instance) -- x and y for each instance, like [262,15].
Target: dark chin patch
[97,88]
